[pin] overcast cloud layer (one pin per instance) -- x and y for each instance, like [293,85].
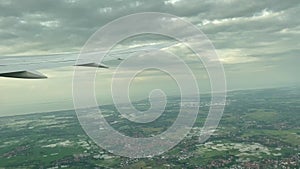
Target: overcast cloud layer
[31,26]
[258,41]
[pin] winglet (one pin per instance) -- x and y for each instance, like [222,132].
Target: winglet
[24,74]
[93,65]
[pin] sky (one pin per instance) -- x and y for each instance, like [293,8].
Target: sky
[258,43]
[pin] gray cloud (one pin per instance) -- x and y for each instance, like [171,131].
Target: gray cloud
[59,26]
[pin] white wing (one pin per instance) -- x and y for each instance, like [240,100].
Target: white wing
[26,66]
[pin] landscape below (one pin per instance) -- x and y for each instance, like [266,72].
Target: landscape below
[259,129]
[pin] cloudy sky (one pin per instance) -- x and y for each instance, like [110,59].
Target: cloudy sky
[257,41]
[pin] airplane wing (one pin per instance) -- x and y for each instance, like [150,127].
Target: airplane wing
[26,67]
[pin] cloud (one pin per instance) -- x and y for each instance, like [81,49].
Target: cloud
[235,56]
[64,26]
